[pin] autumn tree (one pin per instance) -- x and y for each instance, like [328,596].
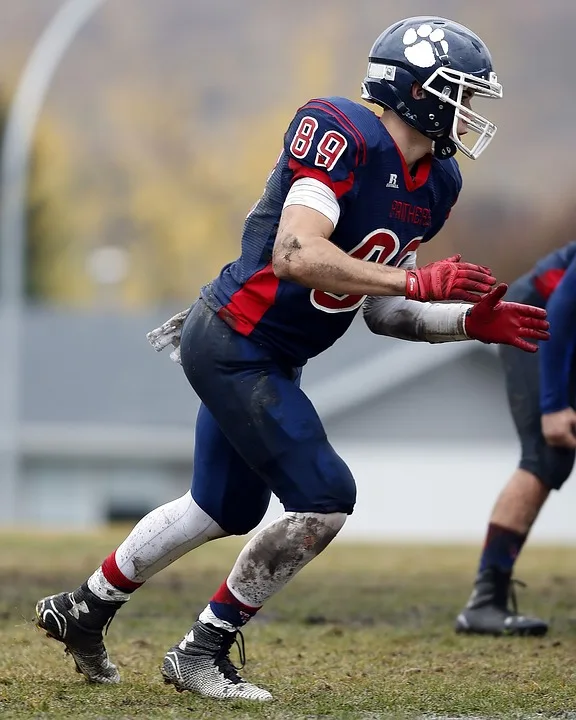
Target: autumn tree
[48,230]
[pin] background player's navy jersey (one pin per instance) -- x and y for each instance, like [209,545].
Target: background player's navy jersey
[548,272]
[385,213]
[554,278]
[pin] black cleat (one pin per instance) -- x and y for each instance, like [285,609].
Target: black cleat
[487,611]
[203,665]
[78,620]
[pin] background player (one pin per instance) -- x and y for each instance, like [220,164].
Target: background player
[542,395]
[348,188]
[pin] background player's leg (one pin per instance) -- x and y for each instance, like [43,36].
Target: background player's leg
[517,507]
[161,537]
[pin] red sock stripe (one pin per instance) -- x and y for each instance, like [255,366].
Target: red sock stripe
[116,577]
[224,595]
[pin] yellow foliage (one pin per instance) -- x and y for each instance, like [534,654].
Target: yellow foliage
[53,262]
[171,195]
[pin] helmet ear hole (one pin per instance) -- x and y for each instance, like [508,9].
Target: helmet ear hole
[417,91]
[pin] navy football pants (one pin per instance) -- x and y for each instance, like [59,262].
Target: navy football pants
[256,432]
[551,465]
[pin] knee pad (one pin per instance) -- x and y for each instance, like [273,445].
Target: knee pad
[326,488]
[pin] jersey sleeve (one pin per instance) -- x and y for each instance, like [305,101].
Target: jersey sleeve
[557,353]
[323,144]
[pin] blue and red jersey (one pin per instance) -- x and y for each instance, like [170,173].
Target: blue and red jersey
[549,271]
[554,277]
[385,213]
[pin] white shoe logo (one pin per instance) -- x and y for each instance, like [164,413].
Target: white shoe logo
[186,639]
[511,618]
[424,53]
[78,608]
[472,598]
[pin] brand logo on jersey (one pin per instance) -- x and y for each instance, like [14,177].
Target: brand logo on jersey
[393,182]
[425,45]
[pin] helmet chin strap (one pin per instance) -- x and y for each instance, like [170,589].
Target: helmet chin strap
[444,148]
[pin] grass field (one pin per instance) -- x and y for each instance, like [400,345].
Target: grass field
[364,632]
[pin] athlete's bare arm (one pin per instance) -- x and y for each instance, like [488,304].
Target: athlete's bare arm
[304,254]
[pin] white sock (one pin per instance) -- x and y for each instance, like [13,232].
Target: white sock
[208,618]
[104,590]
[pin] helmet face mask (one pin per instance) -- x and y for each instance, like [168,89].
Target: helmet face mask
[450,63]
[462,82]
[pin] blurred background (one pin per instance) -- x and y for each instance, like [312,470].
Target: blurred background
[152,128]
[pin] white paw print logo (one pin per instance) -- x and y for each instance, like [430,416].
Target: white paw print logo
[419,49]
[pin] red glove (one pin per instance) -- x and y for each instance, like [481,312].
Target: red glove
[506,323]
[449,279]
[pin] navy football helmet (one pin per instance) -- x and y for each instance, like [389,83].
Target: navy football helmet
[447,60]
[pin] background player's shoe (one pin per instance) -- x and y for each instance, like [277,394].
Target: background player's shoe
[203,665]
[488,613]
[78,620]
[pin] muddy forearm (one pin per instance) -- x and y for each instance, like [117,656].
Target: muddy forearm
[317,263]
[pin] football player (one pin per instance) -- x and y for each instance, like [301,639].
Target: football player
[343,212]
[542,397]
